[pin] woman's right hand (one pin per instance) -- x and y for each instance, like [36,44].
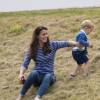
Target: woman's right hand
[21,75]
[21,79]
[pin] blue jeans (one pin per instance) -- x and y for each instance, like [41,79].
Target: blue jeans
[38,79]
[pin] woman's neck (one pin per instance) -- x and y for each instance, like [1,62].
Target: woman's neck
[41,44]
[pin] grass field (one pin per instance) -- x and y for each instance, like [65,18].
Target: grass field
[15,35]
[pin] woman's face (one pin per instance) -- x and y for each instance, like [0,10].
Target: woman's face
[43,36]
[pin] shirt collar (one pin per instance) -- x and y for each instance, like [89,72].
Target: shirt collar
[83,31]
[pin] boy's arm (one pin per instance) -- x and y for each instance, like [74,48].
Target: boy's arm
[82,42]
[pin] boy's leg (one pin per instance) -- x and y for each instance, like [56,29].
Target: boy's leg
[28,83]
[77,69]
[77,57]
[47,79]
[75,72]
[86,68]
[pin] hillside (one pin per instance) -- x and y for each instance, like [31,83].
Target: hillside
[15,35]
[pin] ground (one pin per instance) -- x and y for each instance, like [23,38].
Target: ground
[63,24]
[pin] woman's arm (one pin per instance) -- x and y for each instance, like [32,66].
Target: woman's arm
[22,71]
[73,43]
[24,65]
[62,44]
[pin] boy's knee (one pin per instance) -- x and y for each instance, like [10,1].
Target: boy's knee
[88,62]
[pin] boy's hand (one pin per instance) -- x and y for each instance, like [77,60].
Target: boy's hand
[90,45]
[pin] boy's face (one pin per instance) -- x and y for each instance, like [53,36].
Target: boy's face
[89,30]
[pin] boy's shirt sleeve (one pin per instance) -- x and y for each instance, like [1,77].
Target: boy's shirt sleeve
[82,39]
[26,60]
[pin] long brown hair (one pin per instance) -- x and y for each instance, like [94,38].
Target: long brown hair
[35,43]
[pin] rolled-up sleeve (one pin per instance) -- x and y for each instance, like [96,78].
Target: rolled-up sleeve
[81,40]
[26,60]
[60,44]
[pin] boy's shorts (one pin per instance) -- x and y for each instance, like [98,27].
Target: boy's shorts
[80,56]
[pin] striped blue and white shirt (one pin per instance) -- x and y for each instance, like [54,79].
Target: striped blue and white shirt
[45,63]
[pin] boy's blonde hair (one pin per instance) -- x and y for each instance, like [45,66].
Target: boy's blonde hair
[87,23]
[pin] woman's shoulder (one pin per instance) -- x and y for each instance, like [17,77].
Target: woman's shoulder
[53,42]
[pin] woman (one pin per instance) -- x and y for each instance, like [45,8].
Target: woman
[42,51]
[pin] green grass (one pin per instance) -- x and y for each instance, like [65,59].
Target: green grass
[15,35]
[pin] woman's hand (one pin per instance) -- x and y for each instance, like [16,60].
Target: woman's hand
[73,44]
[21,75]
[21,79]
